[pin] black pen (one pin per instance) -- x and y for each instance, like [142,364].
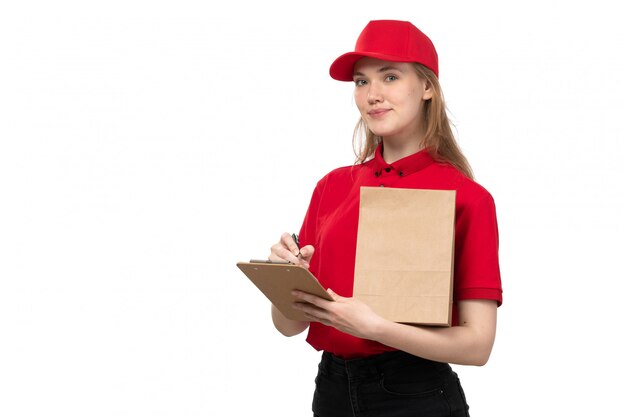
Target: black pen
[295,239]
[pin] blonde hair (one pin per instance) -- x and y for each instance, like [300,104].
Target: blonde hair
[438,137]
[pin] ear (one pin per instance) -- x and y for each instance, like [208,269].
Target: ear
[428,91]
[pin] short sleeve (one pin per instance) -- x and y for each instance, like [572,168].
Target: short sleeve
[476,268]
[309,231]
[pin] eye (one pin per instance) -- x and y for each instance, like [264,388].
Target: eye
[391,78]
[360,83]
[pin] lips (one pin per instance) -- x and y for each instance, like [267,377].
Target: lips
[377,113]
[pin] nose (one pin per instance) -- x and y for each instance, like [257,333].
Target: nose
[374,93]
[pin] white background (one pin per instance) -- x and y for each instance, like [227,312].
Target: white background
[146,147]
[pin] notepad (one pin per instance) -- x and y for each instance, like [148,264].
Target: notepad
[277,280]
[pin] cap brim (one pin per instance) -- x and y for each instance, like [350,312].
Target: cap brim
[342,69]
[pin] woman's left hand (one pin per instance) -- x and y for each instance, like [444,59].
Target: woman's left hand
[348,315]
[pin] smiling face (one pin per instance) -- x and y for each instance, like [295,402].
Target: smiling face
[390,96]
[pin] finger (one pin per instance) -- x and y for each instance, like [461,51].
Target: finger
[281,253]
[311,317]
[310,311]
[289,243]
[274,257]
[307,252]
[334,295]
[312,299]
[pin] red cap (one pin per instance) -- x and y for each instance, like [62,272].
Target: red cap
[388,40]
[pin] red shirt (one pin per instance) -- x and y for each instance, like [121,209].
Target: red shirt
[331,222]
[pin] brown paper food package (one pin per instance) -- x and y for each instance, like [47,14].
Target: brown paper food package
[405,253]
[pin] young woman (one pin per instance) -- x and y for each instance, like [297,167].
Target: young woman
[371,366]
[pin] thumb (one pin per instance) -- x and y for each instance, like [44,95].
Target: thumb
[333,294]
[307,252]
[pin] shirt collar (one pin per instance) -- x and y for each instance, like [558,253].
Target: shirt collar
[402,167]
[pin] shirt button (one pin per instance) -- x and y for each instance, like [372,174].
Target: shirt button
[401,173]
[376,174]
[387,169]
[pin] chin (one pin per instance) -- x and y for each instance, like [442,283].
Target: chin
[381,132]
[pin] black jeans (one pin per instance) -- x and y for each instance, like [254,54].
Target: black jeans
[392,384]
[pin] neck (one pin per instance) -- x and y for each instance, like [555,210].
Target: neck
[394,150]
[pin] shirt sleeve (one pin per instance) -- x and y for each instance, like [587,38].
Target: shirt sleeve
[309,232]
[476,268]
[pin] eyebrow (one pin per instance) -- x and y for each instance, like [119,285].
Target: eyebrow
[383,69]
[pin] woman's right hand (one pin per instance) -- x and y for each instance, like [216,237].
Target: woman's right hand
[286,249]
